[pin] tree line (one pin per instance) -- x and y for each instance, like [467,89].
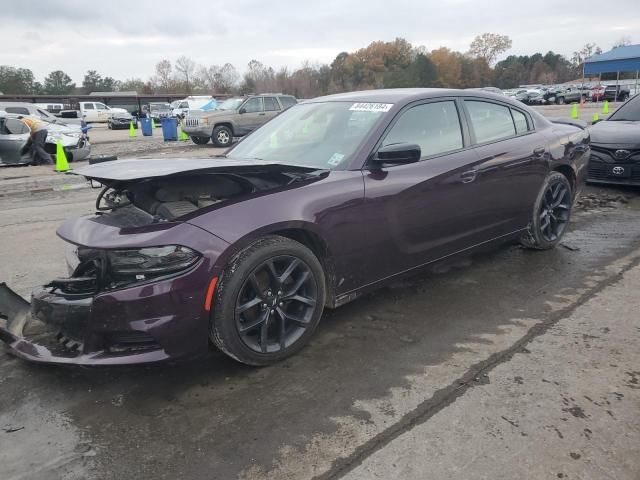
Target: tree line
[392,64]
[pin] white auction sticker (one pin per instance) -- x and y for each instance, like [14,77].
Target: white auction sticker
[371,107]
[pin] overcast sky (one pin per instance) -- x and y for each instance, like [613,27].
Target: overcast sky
[125,39]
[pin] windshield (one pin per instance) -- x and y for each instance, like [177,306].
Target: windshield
[320,135]
[230,104]
[630,111]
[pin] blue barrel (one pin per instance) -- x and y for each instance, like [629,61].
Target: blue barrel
[147,131]
[169,129]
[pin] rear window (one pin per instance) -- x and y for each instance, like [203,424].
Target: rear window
[287,102]
[520,121]
[88,106]
[13,126]
[18,110]
[490,121]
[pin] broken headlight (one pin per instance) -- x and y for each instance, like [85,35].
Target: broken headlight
[145,263]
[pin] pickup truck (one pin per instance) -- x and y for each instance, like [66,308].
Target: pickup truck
[97,111]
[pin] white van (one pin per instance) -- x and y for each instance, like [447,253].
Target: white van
[180,108]
[98,111]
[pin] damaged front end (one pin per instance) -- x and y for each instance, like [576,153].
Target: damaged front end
[139,270]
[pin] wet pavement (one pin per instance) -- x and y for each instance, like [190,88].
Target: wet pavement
[375,368]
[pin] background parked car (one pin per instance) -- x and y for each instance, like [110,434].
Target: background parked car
[569,95]
[24,108]
[615,146]
[181,108]
[619,93]
[597,93]
[15,140]
[121,121]
[157,111]
[97,112]
[234,118]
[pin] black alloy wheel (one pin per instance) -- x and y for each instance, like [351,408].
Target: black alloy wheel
[268,301]
[554,211]
[551,213]
[276,304]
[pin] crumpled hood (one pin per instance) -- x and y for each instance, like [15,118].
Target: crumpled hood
[623,133]
[135,169]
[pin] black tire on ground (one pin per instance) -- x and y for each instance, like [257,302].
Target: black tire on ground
[259,320]
[551,213]
[222,136]
[560,100]
[200,140]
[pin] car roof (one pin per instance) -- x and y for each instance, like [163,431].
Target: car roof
[408,95]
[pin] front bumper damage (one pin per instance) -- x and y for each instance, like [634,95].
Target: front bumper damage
[52,329]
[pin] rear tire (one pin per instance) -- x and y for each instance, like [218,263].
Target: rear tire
[268,301]
[200,140]
[551,213]
[222,136]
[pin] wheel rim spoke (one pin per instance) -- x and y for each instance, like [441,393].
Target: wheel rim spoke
[299,283]
[292,319]
[264,331]
[299,298]
[256,286]
[247,305]
[262,320]
[290,269]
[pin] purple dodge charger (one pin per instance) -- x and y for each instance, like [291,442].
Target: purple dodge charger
[330,199]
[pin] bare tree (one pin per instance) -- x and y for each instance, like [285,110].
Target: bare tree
[185,68]
[489,45]
[163,75]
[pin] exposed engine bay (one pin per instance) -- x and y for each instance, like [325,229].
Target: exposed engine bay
[162,199]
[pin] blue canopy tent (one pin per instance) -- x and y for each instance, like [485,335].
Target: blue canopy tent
[621,59]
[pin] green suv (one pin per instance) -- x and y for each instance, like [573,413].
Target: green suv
[234,117]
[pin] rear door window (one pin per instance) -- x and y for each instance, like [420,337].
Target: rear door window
[287,101]
[14,126]
[520,121]
[88,106]
[490,121]
[270,104]
[253,105]
[434,126]
[18,110]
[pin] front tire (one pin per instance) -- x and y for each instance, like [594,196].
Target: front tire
[222,136]
[560,100]
[200,140]
[268,302]
[551,213]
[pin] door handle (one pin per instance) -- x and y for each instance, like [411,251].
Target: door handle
[539,151]
[468,176]
[262,113]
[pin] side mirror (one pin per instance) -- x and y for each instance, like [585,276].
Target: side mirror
[397,154]
[242,110]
